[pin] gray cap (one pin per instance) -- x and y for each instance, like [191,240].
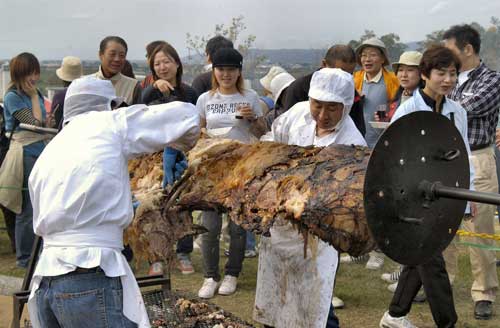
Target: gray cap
[374,43]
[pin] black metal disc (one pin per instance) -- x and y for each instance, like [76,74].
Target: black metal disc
[419,146]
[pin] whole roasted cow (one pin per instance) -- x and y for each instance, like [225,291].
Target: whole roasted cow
[319,190]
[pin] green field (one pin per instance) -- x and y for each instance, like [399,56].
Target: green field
[365,294]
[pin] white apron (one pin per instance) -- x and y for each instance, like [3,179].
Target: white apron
[294,292]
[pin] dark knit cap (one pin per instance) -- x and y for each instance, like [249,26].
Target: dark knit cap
[227,57]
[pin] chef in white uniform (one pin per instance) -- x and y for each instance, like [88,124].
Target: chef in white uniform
[82,203]
[293,291]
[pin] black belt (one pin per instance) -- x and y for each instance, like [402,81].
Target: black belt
[478,147]
[89,270]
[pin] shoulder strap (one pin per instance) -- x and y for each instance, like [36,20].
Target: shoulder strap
[16,124]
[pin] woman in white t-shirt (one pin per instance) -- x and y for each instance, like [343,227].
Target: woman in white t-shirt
[227,111]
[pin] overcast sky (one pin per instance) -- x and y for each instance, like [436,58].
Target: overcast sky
[52,29]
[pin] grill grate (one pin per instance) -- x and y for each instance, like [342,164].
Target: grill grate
[164,312]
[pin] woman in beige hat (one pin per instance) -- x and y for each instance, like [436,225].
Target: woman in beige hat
[408,75]
[71,69]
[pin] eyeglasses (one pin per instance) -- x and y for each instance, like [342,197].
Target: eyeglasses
[370,56]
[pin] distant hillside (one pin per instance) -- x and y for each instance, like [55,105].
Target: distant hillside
[413,45]
[288,57]
[277,56]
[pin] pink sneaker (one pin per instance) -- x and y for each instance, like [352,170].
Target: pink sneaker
[185,266]
[155,269]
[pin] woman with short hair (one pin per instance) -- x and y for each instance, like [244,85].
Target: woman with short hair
[439,69]
[23,103]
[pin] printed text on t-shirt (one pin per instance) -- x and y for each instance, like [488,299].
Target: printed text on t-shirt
[225,108]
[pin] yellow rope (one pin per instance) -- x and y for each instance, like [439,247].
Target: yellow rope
[464,233]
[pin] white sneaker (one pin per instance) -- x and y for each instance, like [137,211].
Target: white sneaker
[393,276]
[337,303]
[392,287]
[376,261]
[390,322]
[208,289]
[348,259]
[250,253]
[228,285]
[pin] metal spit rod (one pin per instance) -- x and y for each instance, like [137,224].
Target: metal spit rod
[434,190]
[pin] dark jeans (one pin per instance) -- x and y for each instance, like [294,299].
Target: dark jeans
[332,322]
[433,276]
[210,246]
[185,245]
[81,300]
[24,234]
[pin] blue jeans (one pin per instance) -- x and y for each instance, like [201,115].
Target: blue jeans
[81,300]
[250,241]
[24,221]
[185,246]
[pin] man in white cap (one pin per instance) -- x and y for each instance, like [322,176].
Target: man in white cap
[266,80]
[269,97]
[378,87]
[82,203]
[71,69]
[373,82]
[303,296]
[277,90]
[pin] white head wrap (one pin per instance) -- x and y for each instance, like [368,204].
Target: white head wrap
[333,85]
[89,94]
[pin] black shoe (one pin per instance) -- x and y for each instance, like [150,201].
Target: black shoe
[498,263]
[483,310]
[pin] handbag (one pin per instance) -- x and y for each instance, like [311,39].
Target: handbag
[4,140]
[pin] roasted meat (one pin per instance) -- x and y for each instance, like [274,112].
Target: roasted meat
[320,190]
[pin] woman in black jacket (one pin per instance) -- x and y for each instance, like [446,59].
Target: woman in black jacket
[166,67]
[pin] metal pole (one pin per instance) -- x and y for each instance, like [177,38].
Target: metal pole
[434,190]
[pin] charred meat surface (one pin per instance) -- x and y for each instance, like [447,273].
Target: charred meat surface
[320,190]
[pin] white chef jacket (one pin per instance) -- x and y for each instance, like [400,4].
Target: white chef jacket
[81,195]
[293,291]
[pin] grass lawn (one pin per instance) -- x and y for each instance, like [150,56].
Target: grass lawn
[365,294]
